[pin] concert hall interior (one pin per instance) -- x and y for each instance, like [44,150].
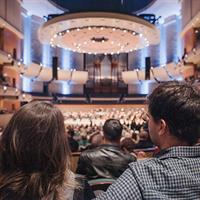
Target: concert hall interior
[95,60]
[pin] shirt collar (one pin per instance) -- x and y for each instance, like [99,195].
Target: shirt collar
[179,151]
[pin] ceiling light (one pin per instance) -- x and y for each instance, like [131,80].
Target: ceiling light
[109,31]
[4,88]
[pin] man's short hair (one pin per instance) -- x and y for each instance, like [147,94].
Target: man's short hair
[178,104]
[112,129]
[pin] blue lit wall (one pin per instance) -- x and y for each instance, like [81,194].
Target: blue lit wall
[144,54]
[179,41]
[144,87]
[169,49]
[27,51]
[46,56]
[172,31]
[66,64]
[162,46]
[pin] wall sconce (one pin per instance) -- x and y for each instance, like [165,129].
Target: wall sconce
[23,96]
[5,89]
[9,56]
[194,51]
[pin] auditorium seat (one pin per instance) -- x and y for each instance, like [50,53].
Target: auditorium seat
[74,160]
[100,185]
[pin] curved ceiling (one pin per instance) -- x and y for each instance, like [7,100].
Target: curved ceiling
[99,32]
[122,6]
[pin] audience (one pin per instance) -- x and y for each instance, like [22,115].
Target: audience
[128,146]
[86,123]
[73,144]
[144,139]
[107,160]
[95,140]
[174,126]
[34,157]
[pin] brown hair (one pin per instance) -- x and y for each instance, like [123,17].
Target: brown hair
[34,153]
[178,103]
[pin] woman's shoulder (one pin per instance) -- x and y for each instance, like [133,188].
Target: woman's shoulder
[79,189]
[83,191]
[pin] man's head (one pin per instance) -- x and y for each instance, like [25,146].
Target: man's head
[112,130]
[175,106]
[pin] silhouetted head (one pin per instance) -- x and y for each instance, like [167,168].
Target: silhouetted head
[112,130]
[35,139]
[34,149]
[178,104]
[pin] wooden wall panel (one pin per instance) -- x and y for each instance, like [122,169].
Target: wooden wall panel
[186,12]
[13,13]
[189,9]
[189,40]
[11,104]
[4,119]
[13,75]
[11,41]
[195,7]
[1,38]
[2,8]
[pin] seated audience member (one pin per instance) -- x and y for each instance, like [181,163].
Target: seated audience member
[73,144]
[174,126]
[107,160]
[128,146]
[95,140]
[34,157]
[145,140]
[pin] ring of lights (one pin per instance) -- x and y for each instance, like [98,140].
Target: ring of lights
[99,32]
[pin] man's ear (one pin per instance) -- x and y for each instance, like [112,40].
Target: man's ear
[163,127]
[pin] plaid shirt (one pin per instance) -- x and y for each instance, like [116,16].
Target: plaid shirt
[172,174]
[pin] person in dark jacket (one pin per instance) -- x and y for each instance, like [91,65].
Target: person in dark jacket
[107,160]
[73,144]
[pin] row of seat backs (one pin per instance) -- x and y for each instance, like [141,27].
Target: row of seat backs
[100,185]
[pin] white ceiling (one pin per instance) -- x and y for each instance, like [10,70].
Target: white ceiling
[40,7]
[130,33]
[164,8]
